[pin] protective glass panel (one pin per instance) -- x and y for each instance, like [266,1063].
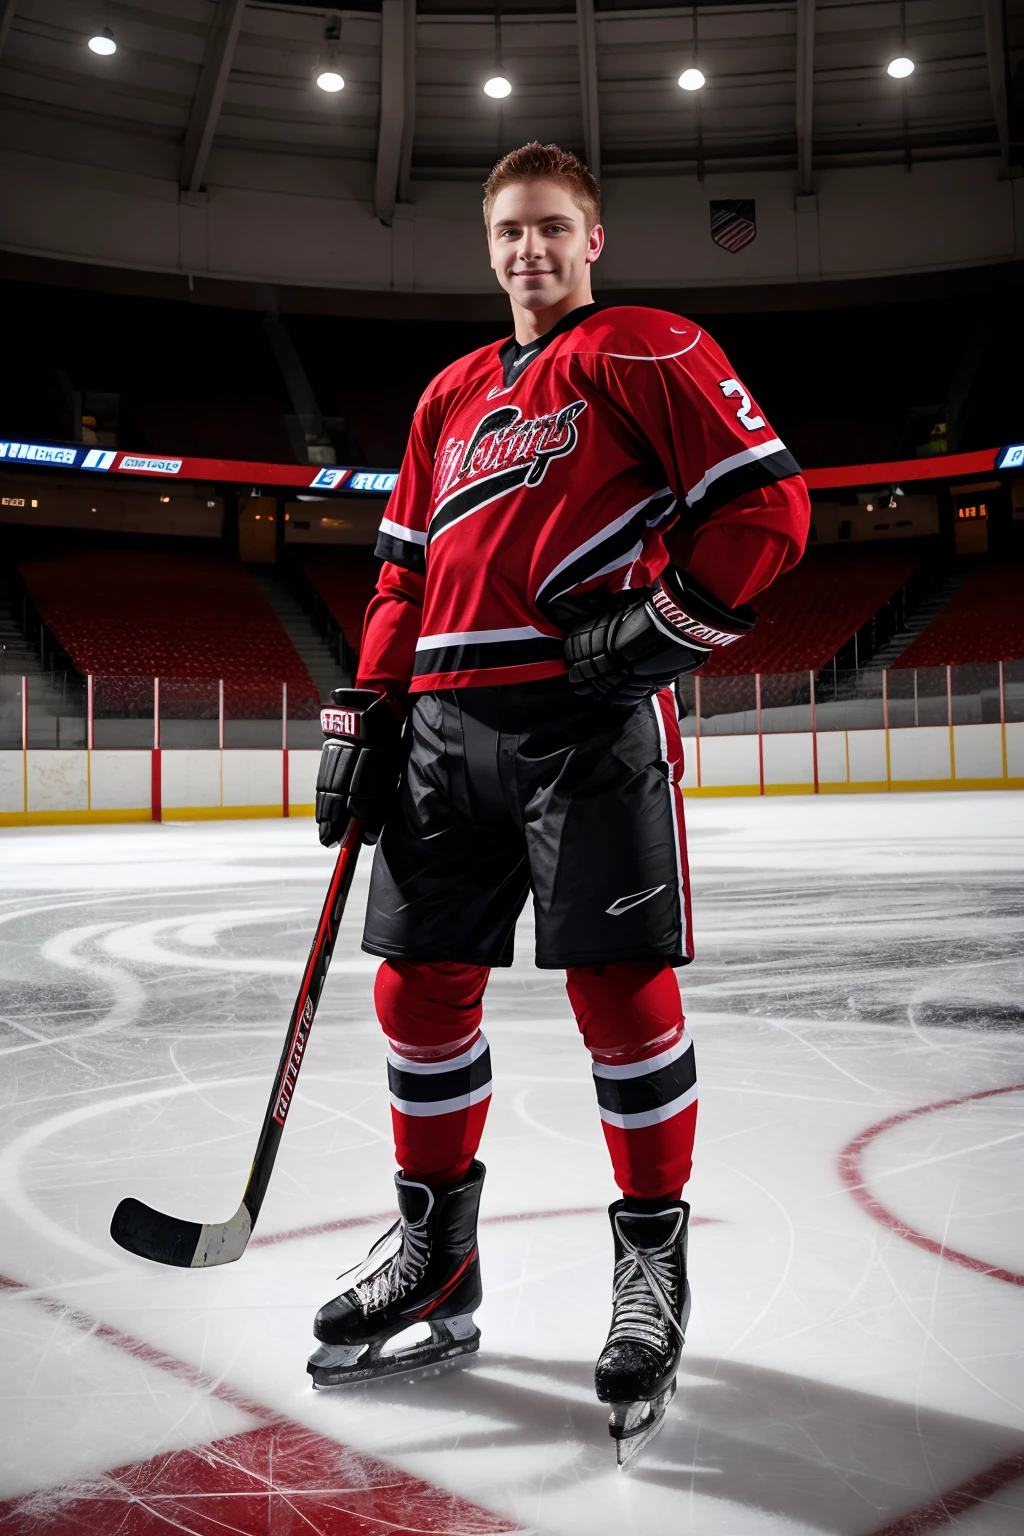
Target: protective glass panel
[728,706]
[848,700]
[785,701]
[932,704]
[122,710]
[189,712]
[304,718]
[1013,690]
[56,710]
[10,714]
[253,713]
[976,693]
[904,707]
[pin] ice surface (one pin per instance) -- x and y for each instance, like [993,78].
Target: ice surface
[854,1362]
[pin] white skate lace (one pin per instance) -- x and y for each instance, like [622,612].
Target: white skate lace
[384,1276]
[643,1288]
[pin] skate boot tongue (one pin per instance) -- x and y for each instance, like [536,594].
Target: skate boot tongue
[649,1231]
[415,1201]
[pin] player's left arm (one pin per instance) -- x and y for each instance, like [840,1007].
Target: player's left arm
[743,519]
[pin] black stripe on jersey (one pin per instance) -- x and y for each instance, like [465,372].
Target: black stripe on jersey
[618,543]
[413,1087]
[490,653]
[747,477]
[652,1090]
[411,557]
[475,496]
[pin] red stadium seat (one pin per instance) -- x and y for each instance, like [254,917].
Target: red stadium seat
[984,621]
[808,614]
[136,614]
[345,579]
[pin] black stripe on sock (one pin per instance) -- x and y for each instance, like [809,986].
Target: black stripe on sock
[435,1087]
[633,1095]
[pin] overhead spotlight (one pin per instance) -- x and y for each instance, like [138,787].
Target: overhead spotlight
[498,87]
[900,68]
[103,42]
[330,80]
[691,80]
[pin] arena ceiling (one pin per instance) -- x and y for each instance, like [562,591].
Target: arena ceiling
[790,84]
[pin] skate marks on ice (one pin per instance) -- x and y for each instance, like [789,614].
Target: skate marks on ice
[746,1450]
[236,1467]
[819,960]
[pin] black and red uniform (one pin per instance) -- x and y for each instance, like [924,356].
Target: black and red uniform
[535,473]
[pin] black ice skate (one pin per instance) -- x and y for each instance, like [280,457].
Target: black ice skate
[636,1373]
[425,1269]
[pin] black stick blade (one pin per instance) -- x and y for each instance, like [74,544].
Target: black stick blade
[151,1235]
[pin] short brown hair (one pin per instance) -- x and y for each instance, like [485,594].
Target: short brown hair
[545,162]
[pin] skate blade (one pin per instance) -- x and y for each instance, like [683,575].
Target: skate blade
[628,1448]
[634,1425]
[409,1364]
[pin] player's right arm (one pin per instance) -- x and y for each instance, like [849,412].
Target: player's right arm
[360,776]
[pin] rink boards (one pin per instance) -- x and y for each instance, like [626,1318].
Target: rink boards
[41,787]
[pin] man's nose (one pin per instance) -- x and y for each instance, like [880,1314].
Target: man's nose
[531,247]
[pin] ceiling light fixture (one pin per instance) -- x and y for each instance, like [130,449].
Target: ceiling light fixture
[330,80]
[497,87]
[900,68]
[691,80]
[103,42]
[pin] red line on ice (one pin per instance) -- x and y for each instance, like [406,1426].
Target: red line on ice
[944,1509]
[275,1477]
[317,1229]
[852,1175]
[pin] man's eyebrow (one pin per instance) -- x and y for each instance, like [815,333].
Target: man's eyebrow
[549,218]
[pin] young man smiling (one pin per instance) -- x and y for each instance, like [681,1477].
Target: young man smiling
[582,514]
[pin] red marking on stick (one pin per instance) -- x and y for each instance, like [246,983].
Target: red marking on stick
[852,1175]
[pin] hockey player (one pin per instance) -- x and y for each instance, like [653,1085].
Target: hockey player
[582,514]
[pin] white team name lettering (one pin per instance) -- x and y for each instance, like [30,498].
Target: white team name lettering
[339,722]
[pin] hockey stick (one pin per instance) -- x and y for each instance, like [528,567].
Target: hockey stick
[187,1244]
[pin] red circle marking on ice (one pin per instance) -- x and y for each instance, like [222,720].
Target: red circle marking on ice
[852,1176]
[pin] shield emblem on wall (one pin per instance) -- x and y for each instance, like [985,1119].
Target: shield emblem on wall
[732,222]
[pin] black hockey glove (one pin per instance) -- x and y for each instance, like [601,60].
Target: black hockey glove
[359,764]
[630,652]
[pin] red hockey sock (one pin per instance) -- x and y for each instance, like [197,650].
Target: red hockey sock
[631,1018]
[439,1066]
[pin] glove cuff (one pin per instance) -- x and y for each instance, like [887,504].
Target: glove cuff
[691,614]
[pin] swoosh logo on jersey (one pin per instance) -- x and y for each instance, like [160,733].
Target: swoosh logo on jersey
[627,903]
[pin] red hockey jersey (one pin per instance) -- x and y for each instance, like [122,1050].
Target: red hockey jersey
[537,471]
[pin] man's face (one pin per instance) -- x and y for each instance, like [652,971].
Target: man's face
[539,243]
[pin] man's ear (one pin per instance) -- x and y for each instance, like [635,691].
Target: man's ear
[595,244]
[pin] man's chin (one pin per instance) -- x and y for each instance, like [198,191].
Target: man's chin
[534,298]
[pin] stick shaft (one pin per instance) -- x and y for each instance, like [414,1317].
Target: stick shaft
[301,1022]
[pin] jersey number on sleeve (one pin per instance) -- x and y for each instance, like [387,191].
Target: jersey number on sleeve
[734,387]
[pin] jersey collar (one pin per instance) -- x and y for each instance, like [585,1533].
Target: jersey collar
[515,359]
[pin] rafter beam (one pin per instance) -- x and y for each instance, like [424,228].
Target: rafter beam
[6,17]
[995,48]
[391,124]
[805,96]
[209,97]
[586,33]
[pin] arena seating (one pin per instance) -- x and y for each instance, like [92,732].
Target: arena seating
[811,611]
[136,614]
[803,619]
[984,621]
[344,579]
